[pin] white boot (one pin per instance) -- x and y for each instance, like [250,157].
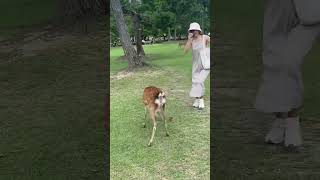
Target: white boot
[292,132]
[276,133]
[201,103]
[196,103]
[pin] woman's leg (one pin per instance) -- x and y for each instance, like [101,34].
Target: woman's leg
[285,45]
[299,42]
[201,103]
[198,88]
[273,94]
[196,102]
[294,112]
[277,131]
[293,135]
[279,19]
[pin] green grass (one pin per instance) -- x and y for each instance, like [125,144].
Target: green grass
[52,112]
[238,130]
[185,153]
[17,13]
[52,101]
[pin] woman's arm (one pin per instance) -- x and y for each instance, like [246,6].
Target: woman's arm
[188,44]
[208,40]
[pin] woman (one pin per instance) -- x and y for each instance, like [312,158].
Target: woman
[285,43]
[197,41]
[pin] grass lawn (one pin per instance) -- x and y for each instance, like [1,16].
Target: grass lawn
[239,130]
[185,153]
[17,13]
[52,94]
[52,113]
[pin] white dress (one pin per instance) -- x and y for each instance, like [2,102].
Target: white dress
[285,44]
[199,74]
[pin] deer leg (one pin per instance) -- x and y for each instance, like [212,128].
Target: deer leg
[165,119]
[145,117]
[153,117]
[165,122]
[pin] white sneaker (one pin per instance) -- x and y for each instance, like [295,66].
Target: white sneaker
[276,133]
[201,103]
[196,103]
[292,132]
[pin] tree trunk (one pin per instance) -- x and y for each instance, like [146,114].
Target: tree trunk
[202,11]
[138,30]
[175,33]
[110,38]
[137,33]
[133,59]
[169,33]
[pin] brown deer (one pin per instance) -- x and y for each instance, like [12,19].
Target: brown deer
[154,100]
[182,44]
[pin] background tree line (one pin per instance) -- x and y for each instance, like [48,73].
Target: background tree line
[162,19]
[135,21]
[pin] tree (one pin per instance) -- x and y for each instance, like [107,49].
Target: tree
[130,53]
[136,18]
[174,16]
[161,18]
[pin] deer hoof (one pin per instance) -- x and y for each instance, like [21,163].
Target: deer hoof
[149,144]
[144,125]
[167,134]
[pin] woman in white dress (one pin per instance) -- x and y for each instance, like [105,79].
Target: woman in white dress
[196,42]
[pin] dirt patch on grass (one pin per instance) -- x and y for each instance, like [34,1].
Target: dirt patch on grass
[140,73]
[33,46]
[31,43]
[121,75]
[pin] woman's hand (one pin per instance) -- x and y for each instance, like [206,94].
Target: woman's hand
[188,44]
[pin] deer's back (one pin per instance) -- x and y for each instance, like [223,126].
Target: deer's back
[150,94]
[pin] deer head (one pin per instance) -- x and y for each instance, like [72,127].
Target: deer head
[160,99]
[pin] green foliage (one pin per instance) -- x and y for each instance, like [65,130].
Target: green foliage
[164,20]
[159,15]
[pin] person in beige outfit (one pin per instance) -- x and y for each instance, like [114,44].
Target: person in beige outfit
[286,41]
[196,42]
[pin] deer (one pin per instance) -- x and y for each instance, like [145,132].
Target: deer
[182,44]
[154,100]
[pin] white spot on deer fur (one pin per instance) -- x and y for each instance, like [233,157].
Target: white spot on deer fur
[157,101]
[163,100]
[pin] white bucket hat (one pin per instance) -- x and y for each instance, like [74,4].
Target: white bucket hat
[195,26]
